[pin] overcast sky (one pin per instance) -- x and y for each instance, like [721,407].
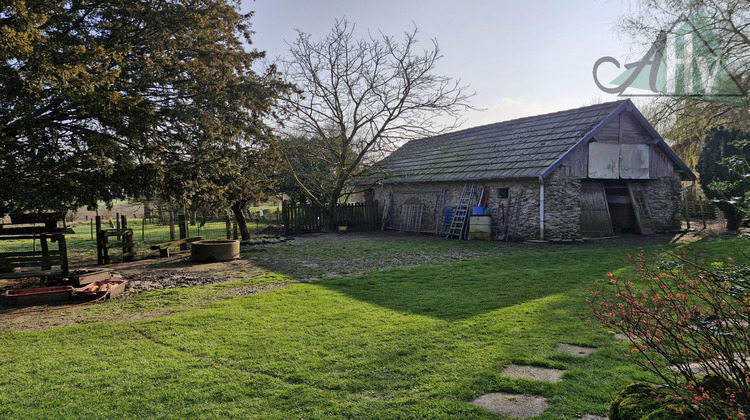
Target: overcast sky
[521,58]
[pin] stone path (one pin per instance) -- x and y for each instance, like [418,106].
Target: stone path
[575,350]
[512,405]
[533,373]
[524,406]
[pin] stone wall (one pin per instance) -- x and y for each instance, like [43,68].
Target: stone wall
[562,206]
[437,196]
[665,202]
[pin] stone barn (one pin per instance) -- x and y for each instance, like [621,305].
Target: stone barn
[588,172]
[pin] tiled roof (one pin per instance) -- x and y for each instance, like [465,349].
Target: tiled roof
[519,148]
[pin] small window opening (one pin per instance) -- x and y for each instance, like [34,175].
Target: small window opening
[503,193]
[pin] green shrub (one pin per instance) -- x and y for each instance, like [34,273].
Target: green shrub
[642,401]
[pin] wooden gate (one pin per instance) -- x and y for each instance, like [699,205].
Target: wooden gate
[301,218]
[309,219]
[411,218]
[595,219]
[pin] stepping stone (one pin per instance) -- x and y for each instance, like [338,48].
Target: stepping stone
[575,350]
[512,405]
[699,369]
[695,368]
[593,417]
[624,337]
[533,373]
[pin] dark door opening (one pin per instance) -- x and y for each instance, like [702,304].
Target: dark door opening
[620,208]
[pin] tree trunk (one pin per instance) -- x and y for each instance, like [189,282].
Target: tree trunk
[329,211]
[734,222]
[732,214]
[241,223]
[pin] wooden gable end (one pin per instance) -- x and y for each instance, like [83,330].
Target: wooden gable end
[622,148]
[625,128]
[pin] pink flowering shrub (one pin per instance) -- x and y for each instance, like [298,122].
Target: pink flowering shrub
[687,322]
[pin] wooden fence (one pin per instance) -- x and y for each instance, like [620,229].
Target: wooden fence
[357,217]
[306,218]
[301,218]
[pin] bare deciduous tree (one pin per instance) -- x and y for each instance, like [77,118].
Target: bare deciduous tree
[361,98]
[685,121]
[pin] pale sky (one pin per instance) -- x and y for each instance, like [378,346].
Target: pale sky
[522,58]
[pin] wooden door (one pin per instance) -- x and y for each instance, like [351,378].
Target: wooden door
[595,219]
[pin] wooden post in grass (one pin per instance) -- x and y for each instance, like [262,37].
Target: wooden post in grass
[127,238]
[99,255]
[143,226]
[182,223]
[171,225]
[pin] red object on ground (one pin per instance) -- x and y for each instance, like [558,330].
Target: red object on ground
[39,295]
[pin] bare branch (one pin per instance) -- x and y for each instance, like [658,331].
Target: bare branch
[362,98]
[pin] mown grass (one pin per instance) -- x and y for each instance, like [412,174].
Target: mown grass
[409,342]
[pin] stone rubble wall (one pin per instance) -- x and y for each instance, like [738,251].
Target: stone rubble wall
[562,206]
[526,227]
[664,196]
[562,197]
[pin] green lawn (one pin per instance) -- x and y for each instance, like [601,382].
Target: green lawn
[408,342]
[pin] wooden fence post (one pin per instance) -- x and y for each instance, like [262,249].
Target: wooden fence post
[285,216]
[182,223]
[127,238]
[171,226]
[117,224]
[99,256]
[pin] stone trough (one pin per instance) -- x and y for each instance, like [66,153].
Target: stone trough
[215,250]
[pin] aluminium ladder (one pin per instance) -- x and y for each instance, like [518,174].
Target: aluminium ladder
[461,214]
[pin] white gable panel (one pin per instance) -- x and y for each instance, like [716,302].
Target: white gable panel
[604,160]
[634,161]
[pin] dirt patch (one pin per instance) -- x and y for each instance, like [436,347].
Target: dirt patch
[251,290]
[143,275]
[166,279]
[306,258]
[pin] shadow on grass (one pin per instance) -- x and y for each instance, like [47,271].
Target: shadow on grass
[457,291]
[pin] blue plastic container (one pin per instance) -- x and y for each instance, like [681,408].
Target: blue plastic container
[478,211]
